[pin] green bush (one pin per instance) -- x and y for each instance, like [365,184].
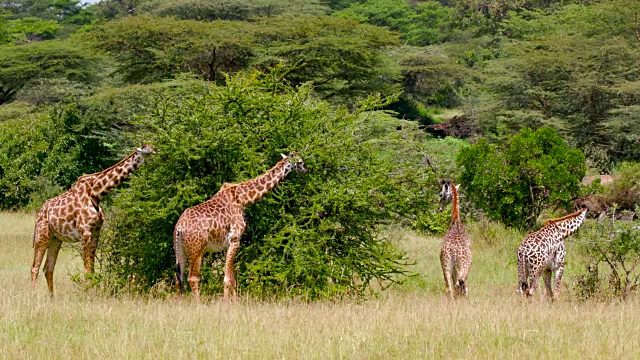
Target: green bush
[44,153]
[314,236]
[513,183]
[613,254]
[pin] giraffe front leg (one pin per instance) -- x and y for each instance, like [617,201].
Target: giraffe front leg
[230,285]
[558,266]
[88,253]
[558,282]
[50,264]
[546,276]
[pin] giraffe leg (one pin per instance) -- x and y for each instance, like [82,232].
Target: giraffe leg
[50,264]
[93,246]
[558,282]
[546,276]
[558,263]
[88,252]
[534,281]
[447,270]
[462,277]
[194,274]
[229,274]
[41,239]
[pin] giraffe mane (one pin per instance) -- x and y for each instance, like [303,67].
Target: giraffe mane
[572,215]
[109,168]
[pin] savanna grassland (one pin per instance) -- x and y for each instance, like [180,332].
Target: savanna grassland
[411,321]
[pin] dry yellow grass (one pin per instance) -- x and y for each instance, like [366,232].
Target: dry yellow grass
[414,321]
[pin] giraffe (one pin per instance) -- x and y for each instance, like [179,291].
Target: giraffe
[542,253]
[75,215]
[455,253]
[218,223]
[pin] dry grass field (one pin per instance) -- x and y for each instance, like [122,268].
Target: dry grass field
[413,321]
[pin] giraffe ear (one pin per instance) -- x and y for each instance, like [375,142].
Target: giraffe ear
[283,156]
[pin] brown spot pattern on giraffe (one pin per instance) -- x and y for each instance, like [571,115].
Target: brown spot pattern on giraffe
[75,215]
[542,253]
[455,252]
[218,223]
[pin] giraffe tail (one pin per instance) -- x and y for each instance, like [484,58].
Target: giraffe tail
[522,275]
[180,258]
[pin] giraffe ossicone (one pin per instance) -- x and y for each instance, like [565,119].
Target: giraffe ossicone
[542,253]
[218,223]
[75,215]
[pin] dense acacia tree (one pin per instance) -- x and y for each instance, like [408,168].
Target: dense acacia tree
[21,65]
[513,183]
[314,236]
[341,57]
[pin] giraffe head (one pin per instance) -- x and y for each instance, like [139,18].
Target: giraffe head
[143,152]
[294,163]
[140,154]
[446,192]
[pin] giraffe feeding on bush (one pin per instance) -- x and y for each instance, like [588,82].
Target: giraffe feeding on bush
[542,253]
[75,215]
[455,253]
[218,223]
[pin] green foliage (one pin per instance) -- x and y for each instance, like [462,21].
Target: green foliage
[576,69]
[624,192]
[237,9]
[340,57]
[343,59]
[433,78]
[421,24]
[45,59]
[515,182]
[31,28]
[313,236]
[152,49]
[613,255]
[42,154]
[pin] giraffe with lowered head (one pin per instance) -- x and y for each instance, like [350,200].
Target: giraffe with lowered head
[218,223]
[455,252]
[542,254]
[75,215]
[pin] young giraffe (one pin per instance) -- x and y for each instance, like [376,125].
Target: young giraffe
[218,223]
[76,215]
[455,254]
[543,252]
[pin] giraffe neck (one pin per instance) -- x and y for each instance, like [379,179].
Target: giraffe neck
[104,181]
[250,191]
[455,213]
[569,224]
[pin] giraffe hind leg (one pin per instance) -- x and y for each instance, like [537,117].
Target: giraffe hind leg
[462,280]
[50,264]
[447,270]
[41,239]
